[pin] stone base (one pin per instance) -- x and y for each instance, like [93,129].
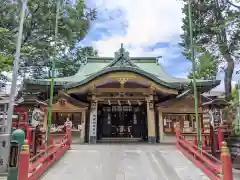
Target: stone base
[151,139]
[82,141]
[92,140]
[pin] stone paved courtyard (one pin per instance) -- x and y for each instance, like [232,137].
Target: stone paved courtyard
[124,162]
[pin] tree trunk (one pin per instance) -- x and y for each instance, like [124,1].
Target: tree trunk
[228,76]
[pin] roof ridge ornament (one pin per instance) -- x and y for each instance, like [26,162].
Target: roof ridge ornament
[122,58]
[121,50]
[157,59]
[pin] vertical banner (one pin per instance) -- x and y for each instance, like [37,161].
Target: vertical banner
[93,124]
[37,117]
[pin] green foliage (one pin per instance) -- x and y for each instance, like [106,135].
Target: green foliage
[234,93]
[216,27]
[38,36]
[6,62]
[5,59]
[206,66]
[69,64]
[233,104]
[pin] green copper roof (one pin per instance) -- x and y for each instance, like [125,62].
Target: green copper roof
[145,66]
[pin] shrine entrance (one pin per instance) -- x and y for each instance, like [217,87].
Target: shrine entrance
[122,121]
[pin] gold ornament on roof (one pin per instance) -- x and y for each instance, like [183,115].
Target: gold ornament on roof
[62,102]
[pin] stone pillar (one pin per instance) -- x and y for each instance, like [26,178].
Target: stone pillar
[151,120]
[83,122]
[160,120]
[93,122]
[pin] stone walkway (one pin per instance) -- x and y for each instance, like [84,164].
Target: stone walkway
[3,177]
[124,162]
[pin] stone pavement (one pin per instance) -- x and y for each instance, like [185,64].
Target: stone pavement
[124,162]
[3,177]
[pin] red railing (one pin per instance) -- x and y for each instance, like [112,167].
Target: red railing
[192,138]
[34,168]
[220,134]
[209,165]
[212,167]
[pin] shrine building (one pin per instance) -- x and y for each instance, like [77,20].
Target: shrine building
[121,97]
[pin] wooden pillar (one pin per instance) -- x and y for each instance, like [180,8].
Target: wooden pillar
[93,121]
[160,121]
[151,120]
[83,122]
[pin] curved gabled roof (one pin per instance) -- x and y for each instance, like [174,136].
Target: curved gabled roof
[95,67]
[126,69]
[144,66]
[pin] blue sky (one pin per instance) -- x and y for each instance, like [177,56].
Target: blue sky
[145,27]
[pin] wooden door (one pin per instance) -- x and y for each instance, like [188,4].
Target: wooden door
[106,122]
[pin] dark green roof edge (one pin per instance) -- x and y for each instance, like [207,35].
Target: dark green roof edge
[177,86]
[130,69]
[127,69]
[43,82]
[204,83]
[132,58]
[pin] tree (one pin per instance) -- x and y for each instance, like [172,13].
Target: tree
[206,66]
[6,62]
[38,37]
[69,64]
[216,26]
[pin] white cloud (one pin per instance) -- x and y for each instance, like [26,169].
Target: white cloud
[221,88]
[147,23]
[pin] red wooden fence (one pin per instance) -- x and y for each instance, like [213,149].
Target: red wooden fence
[212,167]
[34,168]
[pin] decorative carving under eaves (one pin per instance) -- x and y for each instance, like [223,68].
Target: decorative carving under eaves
[120,94]
[92,86]
[62,102]
[152,86]
[122,80]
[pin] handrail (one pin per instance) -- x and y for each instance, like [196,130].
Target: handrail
[37,169]
[211,166]
[41,153]
[194,149]
[211,169]
[34,168]
[202,151]
[206,140]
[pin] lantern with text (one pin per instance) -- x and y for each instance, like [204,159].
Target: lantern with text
[151,105]
[94,104]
